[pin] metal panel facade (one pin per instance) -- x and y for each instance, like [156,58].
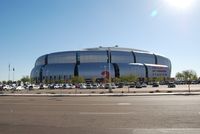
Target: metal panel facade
[158,71]
[40,61]
[121,57]
[95,70]
[134,69]
[163,61]
[64,57]
[93,56]
[144,58]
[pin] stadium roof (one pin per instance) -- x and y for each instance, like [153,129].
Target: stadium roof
[116,48]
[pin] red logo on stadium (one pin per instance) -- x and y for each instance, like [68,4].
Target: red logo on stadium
[105,74]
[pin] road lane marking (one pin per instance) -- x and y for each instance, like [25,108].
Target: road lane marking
[167,130]
[59,104]
[124,104]
[105,113]
[161,130]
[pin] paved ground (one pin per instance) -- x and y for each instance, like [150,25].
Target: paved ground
[100,115]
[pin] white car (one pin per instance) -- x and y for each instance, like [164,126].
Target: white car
[83,86]
[72,86]
[56,86]
[36,87]
[19,88]
[7,87]
[45,86]
[66,86]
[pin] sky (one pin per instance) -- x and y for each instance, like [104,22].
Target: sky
[31,28]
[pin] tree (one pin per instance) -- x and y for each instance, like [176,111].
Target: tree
[25,79]
[94,80]
[129,78]
[77,79]
[187,75]
[9,82]
[179,76]
[116,80]
[4,82]
[159,79]
[190,75]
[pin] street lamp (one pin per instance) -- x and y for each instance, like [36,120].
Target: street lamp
[109,75]
[188,84]
[105,73]
[13,74]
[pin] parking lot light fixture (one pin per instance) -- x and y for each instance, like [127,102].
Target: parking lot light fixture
[109,75]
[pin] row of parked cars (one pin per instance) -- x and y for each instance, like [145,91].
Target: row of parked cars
[57,86]
[96,86]
[12,87]
[81,86]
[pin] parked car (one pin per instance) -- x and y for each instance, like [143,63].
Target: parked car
[88,86]
[77,85]
[112,86]
[19,88]
[83,86]
[29,87]
[95,86]
[1,87]
[45,86]
[51,86]
[66,86]
[7,87]
[138,85]
[171,85]
[102,86]
[56,86]
[41,86]
[155,84]
[36,86]
[132,85]
[120,85]
[71,86]
[144,85]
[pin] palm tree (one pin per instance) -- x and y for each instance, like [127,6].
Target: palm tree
[179,76]
[190,75]
[186,75]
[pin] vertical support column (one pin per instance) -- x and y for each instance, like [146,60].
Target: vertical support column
[156,59]
[76,70]
[134,56]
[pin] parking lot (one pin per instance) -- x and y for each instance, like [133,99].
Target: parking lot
[125,89]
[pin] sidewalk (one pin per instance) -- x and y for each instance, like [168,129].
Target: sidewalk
[106,94]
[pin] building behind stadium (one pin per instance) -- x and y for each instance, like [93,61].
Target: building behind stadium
[99,63]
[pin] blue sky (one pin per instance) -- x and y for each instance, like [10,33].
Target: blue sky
[31,28]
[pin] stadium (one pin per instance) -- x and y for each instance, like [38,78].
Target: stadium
[100,63]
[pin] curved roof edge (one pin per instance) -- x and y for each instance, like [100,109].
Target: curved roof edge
[150,65]
[116,48]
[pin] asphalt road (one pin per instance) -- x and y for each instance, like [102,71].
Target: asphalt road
[100,115]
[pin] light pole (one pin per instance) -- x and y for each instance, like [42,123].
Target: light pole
[109,75]
[9,72]
[13,74]
[189,85]
[104,75]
